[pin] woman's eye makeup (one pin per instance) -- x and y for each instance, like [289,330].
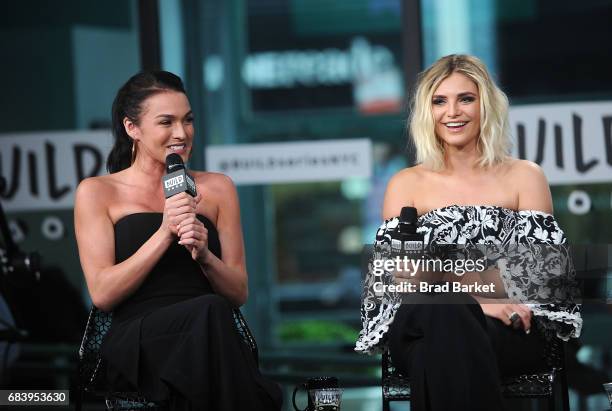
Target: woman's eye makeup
[167,121]
[463,99]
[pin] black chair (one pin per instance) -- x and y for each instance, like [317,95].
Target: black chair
[90,377]
[396,387]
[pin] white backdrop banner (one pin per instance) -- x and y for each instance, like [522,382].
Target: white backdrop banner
[42,170]
[324,160]
[571,141]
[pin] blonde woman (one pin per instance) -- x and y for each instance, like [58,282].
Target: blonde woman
[467,190]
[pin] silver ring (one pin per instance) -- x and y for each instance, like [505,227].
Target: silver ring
[514,317]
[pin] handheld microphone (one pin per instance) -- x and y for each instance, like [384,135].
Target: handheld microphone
[177,179]
[405,239]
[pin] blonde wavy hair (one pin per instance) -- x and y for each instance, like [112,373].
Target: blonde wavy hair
[494,139]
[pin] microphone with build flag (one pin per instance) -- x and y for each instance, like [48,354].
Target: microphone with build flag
[177,179]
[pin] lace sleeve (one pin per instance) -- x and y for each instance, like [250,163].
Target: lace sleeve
[537,270]
[376,314]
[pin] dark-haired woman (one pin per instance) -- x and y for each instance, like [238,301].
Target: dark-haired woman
[171,270]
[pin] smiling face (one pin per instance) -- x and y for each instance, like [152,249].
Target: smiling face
[456,111]
[165,126]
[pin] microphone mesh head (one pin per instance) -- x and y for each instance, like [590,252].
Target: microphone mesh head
[408,215]
[174,162]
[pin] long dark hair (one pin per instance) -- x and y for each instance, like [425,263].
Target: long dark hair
[128,103]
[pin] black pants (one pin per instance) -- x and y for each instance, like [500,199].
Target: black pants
[455,356]
[190,354]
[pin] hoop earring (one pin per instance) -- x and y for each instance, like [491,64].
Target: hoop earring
[133,152]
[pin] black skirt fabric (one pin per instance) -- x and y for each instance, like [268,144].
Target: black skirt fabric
[455,356]
[176,341]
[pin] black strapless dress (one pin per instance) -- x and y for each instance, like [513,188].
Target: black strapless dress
[174,339]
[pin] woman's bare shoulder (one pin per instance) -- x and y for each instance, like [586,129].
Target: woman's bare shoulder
[531,184]
[97,188]
[408,180]
[524,172]
[214,182]
[95,195]
[409,176]
[401,190]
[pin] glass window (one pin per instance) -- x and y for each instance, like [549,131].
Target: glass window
[304,54]
[540,50]
[67,60]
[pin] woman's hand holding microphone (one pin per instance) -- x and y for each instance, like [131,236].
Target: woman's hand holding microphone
[194,236]
[180,220]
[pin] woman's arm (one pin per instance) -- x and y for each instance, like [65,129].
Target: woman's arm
[228,275]
[533,194]
[109,283]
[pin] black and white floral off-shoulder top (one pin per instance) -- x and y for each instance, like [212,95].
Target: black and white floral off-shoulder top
[526,276]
